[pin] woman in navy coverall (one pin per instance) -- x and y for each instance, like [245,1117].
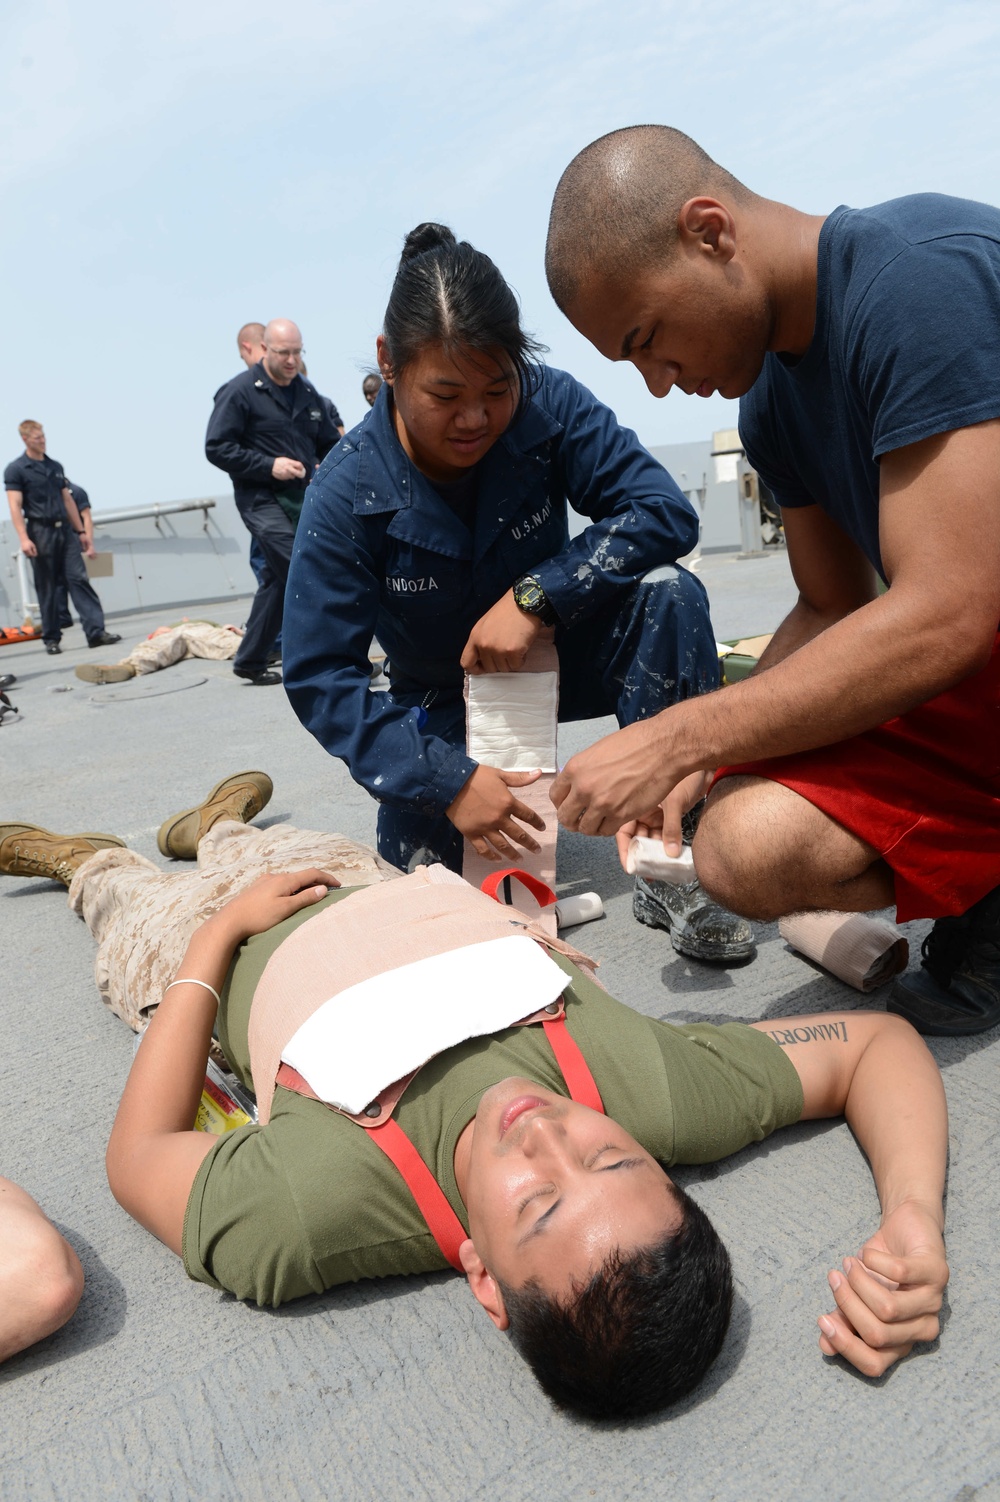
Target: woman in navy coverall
[420,526]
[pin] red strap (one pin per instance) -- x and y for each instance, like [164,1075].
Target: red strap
[575,1070]
[542,894]
[442,1222]
[432,1202]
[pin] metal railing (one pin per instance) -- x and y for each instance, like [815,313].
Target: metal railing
[25,581]
[147,513]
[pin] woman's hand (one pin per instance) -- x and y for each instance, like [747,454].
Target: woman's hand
[500,640]
[269,900]
[485,811]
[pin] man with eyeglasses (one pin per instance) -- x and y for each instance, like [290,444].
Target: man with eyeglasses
[269,429]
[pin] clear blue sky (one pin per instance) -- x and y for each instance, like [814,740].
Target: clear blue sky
[172,170]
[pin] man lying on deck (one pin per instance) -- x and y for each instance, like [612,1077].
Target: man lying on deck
[543,1150]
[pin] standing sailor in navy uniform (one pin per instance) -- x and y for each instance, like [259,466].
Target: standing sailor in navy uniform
[52,534]
[440,526]
[75,568]
[268,430]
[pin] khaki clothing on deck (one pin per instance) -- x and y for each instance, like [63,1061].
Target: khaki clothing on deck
[143,917]
[310,1201]
[187,639]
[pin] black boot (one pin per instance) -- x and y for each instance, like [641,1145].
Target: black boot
[698,927]
[957,988]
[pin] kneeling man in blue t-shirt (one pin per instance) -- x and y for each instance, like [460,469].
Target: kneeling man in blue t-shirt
[860,764]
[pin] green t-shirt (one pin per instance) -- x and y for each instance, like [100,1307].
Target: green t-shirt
[310,1201]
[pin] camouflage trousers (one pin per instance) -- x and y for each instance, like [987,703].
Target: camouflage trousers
[189,639]
[143,917]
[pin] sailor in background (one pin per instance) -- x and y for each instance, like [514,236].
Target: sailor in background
[74,564]
[440,526]
[52,534]
[268,430]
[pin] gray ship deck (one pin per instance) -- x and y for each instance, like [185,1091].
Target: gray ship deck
[160,1388]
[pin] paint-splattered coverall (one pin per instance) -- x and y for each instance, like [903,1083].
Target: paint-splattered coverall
[380,552]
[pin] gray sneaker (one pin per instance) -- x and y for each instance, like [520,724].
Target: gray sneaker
[697,926]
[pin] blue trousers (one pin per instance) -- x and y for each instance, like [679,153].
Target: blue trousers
[651,648]
[275,536]
[259,565]
[59,566]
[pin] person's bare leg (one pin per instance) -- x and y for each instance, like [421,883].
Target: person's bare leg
[763,851]
[41,1279]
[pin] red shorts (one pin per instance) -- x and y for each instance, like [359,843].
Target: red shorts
[923,790]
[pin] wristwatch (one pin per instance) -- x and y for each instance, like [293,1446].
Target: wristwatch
[531,597]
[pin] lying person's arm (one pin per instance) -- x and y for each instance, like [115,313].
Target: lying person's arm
[41,1279]
[154,1155]
[876,1071]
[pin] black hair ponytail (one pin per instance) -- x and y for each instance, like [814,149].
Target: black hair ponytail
[446,292]
[427,237]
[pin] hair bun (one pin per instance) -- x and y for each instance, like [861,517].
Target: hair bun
[426,237]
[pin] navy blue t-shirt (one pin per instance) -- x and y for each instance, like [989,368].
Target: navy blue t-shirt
[460,496]
[79,495]
[41,483]
[906,345]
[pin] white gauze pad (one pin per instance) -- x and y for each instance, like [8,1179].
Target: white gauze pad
[377,1031]
[512,720]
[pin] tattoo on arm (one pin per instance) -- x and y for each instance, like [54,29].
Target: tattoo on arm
[819,1033]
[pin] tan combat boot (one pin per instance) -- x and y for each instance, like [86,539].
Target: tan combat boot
[30,850]
[95,672]
[241,797]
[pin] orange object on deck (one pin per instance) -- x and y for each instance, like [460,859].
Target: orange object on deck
[11,634]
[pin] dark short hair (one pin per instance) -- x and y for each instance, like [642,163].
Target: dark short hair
[641,1334]
[616,208]
[446,292]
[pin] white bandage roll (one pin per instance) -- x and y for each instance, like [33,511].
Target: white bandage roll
[583,908]
[855,947]
[648,858]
